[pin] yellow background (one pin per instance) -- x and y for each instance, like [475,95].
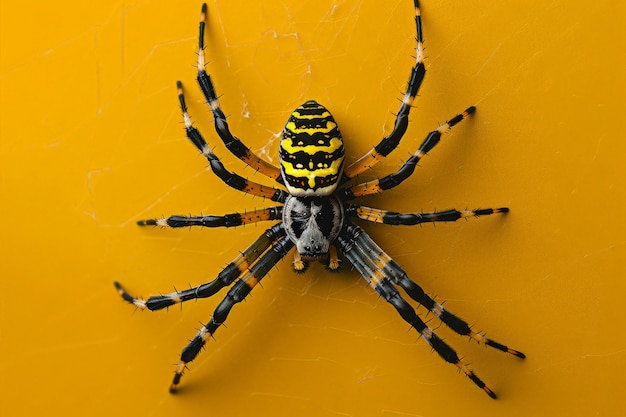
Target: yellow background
[91,141]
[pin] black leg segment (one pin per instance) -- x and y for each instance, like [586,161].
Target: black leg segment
[236,294]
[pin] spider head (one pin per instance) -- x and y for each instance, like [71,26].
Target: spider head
[312,223]
[311,151]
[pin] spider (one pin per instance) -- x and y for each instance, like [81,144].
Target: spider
[315,214]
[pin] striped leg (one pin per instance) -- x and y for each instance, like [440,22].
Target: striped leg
[390,142]
[234,145]
[231,179]
[405,171]
[398,276]
[228,220]
[409,219]
[236,294]
[363,262]
[225,278]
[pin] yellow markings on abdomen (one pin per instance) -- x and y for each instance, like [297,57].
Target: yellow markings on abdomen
[322,115]
[310,171]
[293,128]
[327,146]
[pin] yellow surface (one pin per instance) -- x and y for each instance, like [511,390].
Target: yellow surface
[91,141]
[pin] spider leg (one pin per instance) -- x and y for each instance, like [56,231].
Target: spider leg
[234,145]
[228,220]
[225,278]
[407,169]
[398,276]
[236,294]
[390,142]
[409,219]
[365,263]
[229,178]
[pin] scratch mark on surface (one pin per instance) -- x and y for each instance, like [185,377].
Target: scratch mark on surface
[489,58]
[149,209]
[91,174]
[279,395]
[400,413]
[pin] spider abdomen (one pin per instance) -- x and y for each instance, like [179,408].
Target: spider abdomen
[311,151]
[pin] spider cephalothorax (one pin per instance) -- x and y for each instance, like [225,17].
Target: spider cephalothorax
[315,214]
[313,224]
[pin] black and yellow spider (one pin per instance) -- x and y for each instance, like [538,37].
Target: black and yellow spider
[315,214]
